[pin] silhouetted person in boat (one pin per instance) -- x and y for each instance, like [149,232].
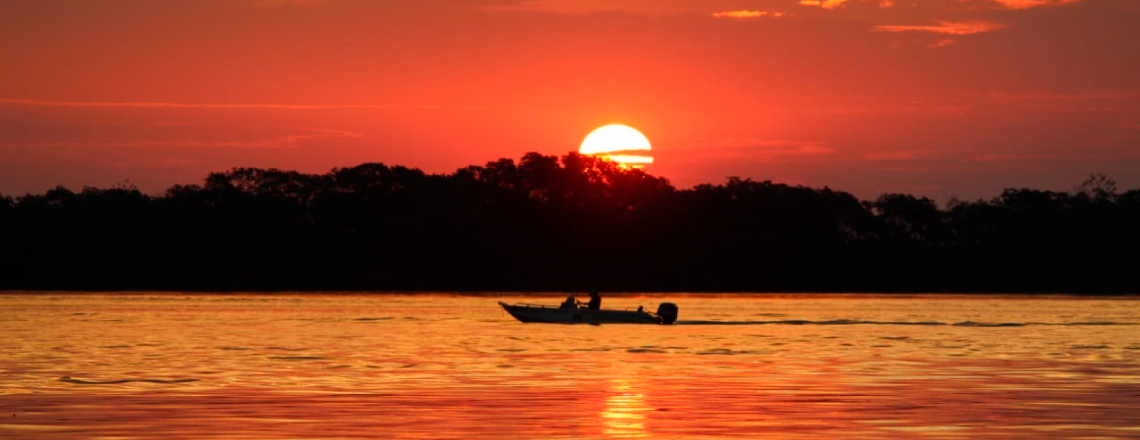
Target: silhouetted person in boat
[595,301]
[570,303]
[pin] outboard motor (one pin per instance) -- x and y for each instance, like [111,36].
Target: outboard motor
[667,312]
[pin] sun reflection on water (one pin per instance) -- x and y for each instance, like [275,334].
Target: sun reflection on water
[222,367]
[624,413]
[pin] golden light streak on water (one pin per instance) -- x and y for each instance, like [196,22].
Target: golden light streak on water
[624,413]
[225,367]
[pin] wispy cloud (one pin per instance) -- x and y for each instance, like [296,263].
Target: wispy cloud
[726,8]
[1026,4]
[655,7]
[747,14]
[947,27]
[1054,96]
[293,137]
[590,6]
[257,106]
[945,42]
[1013,157]
[750,149]
[836,4]
[889,155]
[1123,100]
[275,3]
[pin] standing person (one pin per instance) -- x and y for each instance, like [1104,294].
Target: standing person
[595,301]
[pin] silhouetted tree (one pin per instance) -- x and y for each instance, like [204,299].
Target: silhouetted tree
[560,223]
[914,219]
[1099,186]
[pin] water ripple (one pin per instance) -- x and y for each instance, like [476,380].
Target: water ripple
[921,323]
[69,379]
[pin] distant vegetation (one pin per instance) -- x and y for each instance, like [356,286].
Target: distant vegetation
[571,223]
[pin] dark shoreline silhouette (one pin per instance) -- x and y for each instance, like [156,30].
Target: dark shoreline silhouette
[574,223]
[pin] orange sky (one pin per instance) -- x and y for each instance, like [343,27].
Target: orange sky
[934,97]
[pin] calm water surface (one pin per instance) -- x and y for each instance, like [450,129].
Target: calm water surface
[174,366]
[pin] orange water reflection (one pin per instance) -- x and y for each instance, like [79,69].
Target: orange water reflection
[624,413]
[326,367]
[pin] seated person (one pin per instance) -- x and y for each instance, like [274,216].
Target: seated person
[595,301]
[570,303]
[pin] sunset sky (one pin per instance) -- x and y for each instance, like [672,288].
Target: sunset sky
[934,97]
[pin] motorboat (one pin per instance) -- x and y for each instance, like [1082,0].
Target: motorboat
[666,314]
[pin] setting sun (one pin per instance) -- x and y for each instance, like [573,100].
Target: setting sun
[619,143]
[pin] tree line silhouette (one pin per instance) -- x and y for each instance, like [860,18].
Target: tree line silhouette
[571,223]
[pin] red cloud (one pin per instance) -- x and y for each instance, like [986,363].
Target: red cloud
[1026,4]
[948,27]
[760,150]
[835,4]
[889,155]
[258,106]
[746,14]
[941,43]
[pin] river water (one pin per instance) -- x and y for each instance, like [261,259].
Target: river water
[189,366]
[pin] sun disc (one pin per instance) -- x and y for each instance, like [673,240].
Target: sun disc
[619,143]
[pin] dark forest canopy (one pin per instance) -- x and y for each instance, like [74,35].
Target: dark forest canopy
[569,223]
